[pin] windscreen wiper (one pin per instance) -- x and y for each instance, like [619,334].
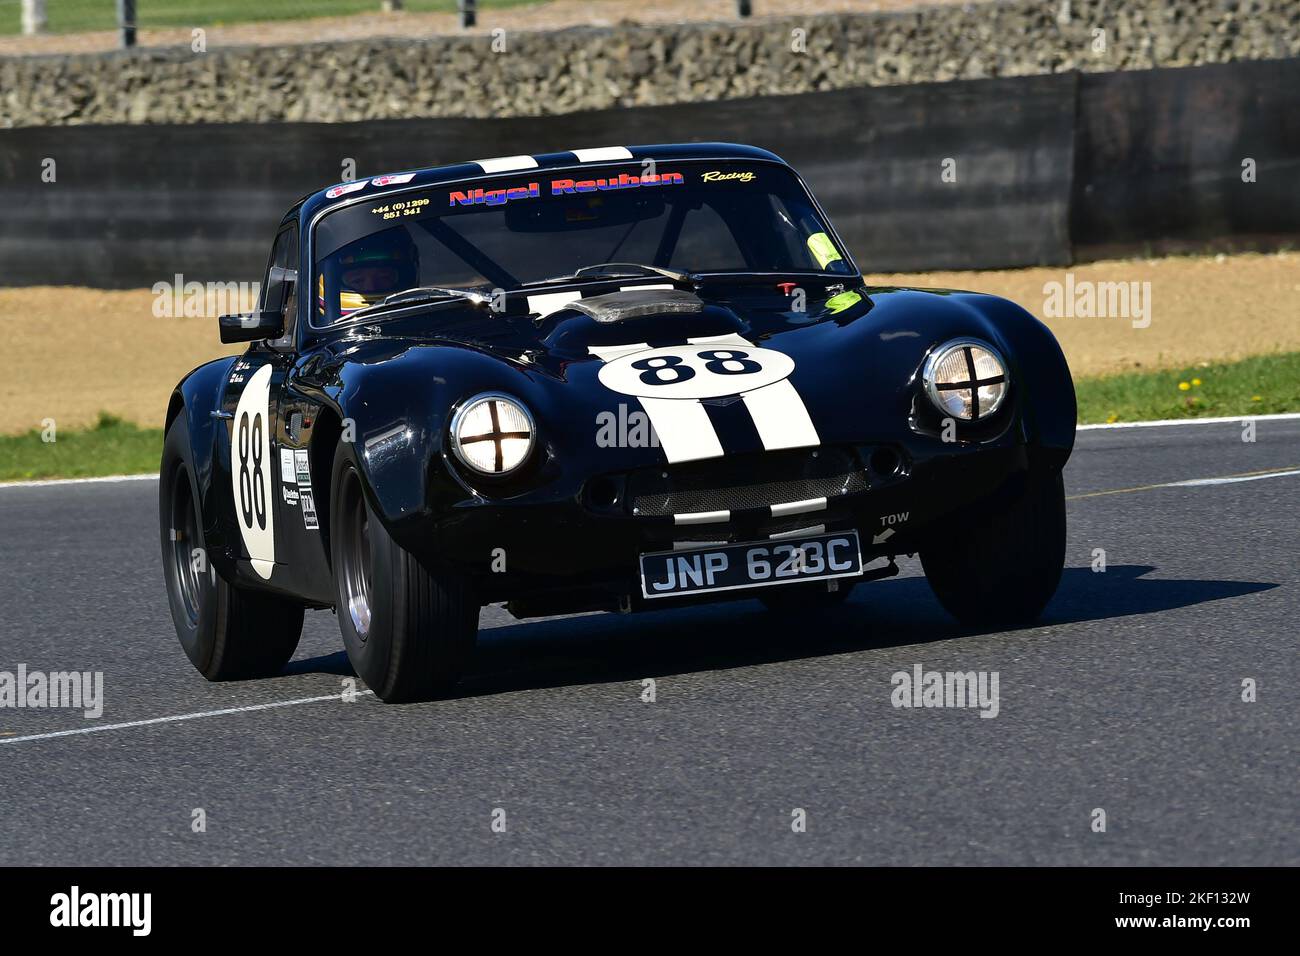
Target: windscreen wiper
[426,293]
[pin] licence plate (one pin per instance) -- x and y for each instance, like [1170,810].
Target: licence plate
[757,564]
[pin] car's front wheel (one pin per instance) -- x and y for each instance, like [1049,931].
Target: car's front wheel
[408,633]
[228,632]
[1001,565]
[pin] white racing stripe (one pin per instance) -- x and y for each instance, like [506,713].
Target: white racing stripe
[780,416]
[702,517]
[103,728]
[608,353]
[683,428]
[601,154]
[798,507]
[778,412]
[46,482]
[504,164]
[549,302]
[730,339]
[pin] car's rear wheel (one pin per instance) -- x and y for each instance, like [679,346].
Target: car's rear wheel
[228,633]
[1001,565]
[408,633]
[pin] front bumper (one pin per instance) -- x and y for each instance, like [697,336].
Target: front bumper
[558,551]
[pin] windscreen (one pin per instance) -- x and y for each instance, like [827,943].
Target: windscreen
[516,230]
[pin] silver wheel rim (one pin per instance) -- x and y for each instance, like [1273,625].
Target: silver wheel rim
[184,539]
[356,570]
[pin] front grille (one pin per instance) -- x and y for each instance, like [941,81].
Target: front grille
[745,497]
[744,482]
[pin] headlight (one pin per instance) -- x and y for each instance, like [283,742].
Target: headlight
[966,379]
[492,434]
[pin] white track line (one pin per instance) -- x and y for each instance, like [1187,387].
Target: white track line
[1194,482]
[1197,482]
[1288,416]
[178,717]
[107,479]
[1192,421]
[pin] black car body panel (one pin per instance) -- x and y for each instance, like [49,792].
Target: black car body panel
[565,530]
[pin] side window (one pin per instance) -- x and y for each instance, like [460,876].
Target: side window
[280,285]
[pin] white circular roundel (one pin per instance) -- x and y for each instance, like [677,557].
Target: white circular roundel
[695,371]
[252,474]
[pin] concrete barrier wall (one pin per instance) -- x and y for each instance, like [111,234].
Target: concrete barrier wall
[1043,169]
[1163,159]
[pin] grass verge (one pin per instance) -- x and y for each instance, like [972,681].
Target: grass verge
[111,447]
[1264,385]
[71,16]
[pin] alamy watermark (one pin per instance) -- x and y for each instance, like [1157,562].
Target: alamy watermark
[74,909]
[625,429]
[952,689]
[203,300]
[1085,299]
[76,690]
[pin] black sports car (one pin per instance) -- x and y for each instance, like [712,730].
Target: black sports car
[612,378]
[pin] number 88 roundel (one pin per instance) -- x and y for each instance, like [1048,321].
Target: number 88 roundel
[692,372]
[252,479]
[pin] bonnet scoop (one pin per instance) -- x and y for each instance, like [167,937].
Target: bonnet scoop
[636,303]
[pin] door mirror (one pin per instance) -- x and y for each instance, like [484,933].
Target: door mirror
[251,326]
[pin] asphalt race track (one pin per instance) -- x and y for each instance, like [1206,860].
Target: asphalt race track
[1127,697]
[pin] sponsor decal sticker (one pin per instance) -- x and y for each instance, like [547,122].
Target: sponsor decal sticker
[559,187]
[717,176]
[309,510]
[304,494]
[392,180]
[563,187]
[286,466]
[300,464]
[845,300]
[344,188]
[823,250]
[492,197]
[396,210]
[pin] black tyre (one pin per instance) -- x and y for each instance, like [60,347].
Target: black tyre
[408,633]
[801,598]
[1001,565]
[229,633]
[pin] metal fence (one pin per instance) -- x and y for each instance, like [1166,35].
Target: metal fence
[33,17]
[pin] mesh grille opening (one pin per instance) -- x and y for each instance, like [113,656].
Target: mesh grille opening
[741,497]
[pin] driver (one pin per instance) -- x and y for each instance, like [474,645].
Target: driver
[372,268]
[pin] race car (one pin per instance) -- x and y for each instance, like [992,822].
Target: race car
[618,378]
